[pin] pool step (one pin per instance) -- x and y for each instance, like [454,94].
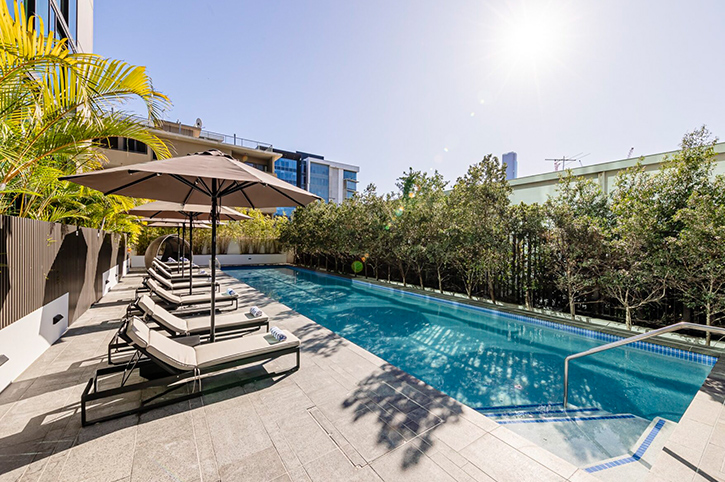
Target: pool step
[584,436]
[635,464]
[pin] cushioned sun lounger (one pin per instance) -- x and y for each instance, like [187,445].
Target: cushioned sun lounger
[176,300]
[178,283]
[238,323]
[181,364]
[167,273]
[195,325]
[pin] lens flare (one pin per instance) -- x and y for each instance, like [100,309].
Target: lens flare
[357,266]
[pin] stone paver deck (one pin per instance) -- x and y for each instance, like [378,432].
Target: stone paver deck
[346,415]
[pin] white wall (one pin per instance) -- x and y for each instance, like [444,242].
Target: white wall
[85,26]
[26,339]
[227,259]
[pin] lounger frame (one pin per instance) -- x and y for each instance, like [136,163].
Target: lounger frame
[175,380]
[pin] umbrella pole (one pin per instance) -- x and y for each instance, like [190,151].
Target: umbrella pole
[178,245]
[183,250]
[191,250]
[213,256]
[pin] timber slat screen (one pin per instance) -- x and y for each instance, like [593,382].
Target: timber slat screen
[41,261]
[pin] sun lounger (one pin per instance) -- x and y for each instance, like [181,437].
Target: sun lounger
[178,283]
[181,364]
[237,323]
[168,274]
[178,300]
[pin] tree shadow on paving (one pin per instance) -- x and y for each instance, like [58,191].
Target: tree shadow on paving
[406,409]
[317,340]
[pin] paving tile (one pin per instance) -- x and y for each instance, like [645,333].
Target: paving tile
[235,435]
[371,440]
[458,433]
[306,438]
[334,466]
[262,465]
[102,451]
[205,447]
[408,463]
[298,474]
[503,463]
[475,473]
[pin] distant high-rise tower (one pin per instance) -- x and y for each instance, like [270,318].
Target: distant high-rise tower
[512,164]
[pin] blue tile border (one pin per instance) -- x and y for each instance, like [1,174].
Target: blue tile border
[634,457]
[566,419]
[515,407]
[542,412]
[639,345]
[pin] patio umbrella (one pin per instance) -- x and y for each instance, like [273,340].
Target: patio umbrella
[190,212]
[175,223]
[209,177]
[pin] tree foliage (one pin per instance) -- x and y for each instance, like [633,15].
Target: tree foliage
[55,107]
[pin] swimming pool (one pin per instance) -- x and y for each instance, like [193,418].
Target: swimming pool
[486,358]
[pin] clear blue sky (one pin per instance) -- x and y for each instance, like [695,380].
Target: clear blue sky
[388,85]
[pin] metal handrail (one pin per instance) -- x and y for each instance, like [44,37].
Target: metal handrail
[634,339]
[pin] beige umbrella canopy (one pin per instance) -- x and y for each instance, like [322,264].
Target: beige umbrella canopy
[174,223]
[178,211]
[209,177]
[194,179]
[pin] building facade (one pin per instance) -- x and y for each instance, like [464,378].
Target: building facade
[538,188]
[511,160]
[68,19]
[332,181]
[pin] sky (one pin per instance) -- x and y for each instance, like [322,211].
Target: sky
[432,85]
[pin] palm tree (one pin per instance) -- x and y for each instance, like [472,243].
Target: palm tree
[56,107]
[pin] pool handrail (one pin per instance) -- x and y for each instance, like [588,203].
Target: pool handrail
[626,341]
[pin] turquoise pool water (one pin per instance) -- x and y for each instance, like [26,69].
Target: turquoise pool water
[483,358]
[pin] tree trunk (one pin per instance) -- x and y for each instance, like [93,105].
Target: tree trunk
[420,277]
[572,304]
[491,293]
[628,316]
[402,272]
[440,279]
[708,322]
[527,297]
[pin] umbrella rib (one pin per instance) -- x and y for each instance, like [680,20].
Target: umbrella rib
[285,195]
[188,195]
[232,187]
[132,183]
[189,183]
[208,190]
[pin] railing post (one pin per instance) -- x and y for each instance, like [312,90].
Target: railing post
[566,383]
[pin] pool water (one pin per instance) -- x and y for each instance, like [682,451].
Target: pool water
[483,358]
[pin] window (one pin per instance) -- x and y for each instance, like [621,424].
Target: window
[286,169]
[350,179]
[261,167]
[109,143]
[320,180]
[132,145]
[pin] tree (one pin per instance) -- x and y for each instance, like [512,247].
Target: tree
[634,273]
[577,217]
[479,231]
[55,108]
[700,250]
[528,229]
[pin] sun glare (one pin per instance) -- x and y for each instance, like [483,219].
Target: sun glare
[532,36]
[530,39]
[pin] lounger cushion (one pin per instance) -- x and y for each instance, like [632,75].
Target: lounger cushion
[211,354]
[171,352]
[186,299]
[139,332]
[199,324]
[202,324]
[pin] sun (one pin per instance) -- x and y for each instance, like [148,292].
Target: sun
[532,36]
[531,39]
